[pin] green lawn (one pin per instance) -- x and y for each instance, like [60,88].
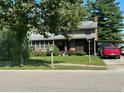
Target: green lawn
[73,59]
[49,68]
[43,63]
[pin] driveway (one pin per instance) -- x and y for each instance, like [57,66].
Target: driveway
[115,64]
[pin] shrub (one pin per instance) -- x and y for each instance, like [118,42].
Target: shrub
[80,53]
[38,52]
[26,52]
[77,53]
[70,53]
[15,55]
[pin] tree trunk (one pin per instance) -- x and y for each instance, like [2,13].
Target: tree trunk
[21,56]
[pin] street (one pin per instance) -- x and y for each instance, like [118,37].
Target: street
[61,81]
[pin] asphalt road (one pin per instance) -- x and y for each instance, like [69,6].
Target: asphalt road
[62,81]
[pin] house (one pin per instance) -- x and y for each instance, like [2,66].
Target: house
[86,31]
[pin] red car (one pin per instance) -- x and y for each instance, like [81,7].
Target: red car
[107,52]
[122,50]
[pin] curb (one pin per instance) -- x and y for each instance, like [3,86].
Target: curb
[61,64]
[53,71]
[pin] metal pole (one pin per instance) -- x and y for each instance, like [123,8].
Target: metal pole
[52,57]
[89,52]
[52,65]
[94,47]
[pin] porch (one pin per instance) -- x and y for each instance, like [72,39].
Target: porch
[65,45]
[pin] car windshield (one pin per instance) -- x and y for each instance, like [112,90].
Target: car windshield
[122,48]
[110,48]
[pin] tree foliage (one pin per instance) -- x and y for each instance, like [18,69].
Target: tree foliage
[109,18]
[61,15]
[17,15]
[6,43]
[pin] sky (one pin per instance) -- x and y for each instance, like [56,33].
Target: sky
[121,5]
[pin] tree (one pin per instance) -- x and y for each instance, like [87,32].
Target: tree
[17,15]
[61,15]
[6,43]
[50,16]
[109,18]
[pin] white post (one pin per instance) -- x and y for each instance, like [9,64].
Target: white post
[65,43]
[89,51]
[94,47]
[44,45]
[52,57]
[52,65]
[39,45]
[89,39]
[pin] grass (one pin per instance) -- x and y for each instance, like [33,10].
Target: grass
[73,60]
[49,68]
[43,63]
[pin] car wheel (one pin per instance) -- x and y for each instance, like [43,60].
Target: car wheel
[117,57]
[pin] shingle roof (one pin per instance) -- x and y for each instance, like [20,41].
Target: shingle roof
[87,24]
[83,25]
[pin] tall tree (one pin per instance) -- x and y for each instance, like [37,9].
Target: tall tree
[6,43]
[109,18]
[61,15]
[17,15]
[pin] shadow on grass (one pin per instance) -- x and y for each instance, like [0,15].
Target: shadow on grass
[38,62]
[110,57]
[30,62]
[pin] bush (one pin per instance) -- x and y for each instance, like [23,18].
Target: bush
[70,53]
[38,52]
[77,53]
[15,55]
[26,52]
[80,53]
[56,51]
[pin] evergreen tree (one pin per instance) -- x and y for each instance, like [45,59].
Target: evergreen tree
[109,18]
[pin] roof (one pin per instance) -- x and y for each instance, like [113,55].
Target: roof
[83,25]
[58,37]
[87,25]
